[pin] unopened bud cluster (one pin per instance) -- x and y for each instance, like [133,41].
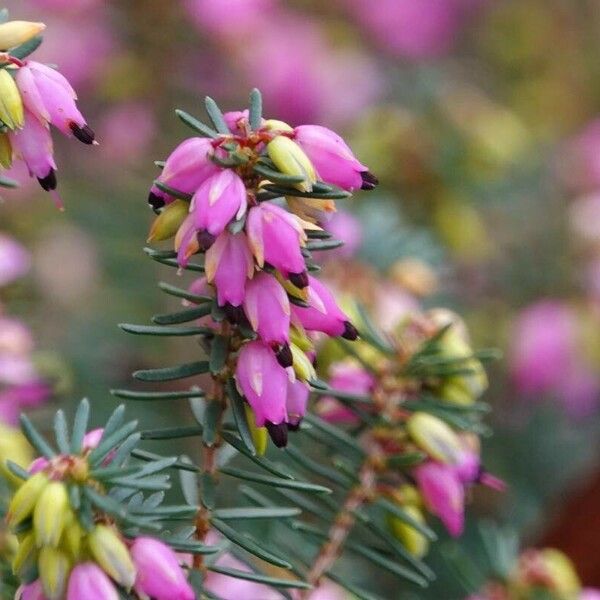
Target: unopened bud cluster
[34,96]
[224,195]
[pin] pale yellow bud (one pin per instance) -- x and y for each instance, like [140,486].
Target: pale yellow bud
[275,125]
[51,513]
[112,555]
[260,435]
[434,437]
[24,501]
[562,573]
[6,153]
[54,567]
[14,447]
[26,556]
[290,159]
[299,338]
[15,33]
[414,541]
[165,226]
[72,537]
[11,105]
[302,366]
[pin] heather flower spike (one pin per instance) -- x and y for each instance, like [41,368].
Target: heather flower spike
[34,96]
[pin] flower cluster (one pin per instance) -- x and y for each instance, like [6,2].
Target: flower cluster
[223,195]
[71,541]
[34,96]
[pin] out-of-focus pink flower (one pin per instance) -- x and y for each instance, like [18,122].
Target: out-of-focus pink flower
[578,161]
[87,581]
[589,594]
[264,383]
[14,261]
[296,402]
[31,591]
[323,314]
[230,18]
[15,399]
[159,574]
[118,142]
[392,305]
[64,4]
[344,226]
[15,337]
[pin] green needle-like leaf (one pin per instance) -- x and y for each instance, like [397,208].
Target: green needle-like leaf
[216,116]
[190,314]
[255,111]
[239,415]
[258,578]
[172,373]
[35,438]
[275,481]
[195,124]
[174,395]
[159,330]
[61,432]
[184,294]
[80,424]
[246,512]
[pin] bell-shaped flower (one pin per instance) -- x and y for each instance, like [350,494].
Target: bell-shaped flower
[268,309]
[263,382]
[296,402]
[88,581]
[443,494]
[333,159]
[323,314]
[159,574]
[218,200]
[50,97]
[275,237]
[186,168]
[228,264]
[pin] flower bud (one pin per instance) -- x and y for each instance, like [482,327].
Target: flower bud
[260,436]
[276,125]
[11,105]
[434,437]
[414,541]
[302,366]
[31,591]
[561,572]
[53,566]
[167,223]
[112,555]
[6,152]
[89,582]
[23,502]
[290,159]
[51,513]
[299,338]
[72,537]
[15,33]
[25,558]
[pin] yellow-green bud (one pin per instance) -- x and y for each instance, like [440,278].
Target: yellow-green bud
[54,567]
[72,536]
[562,572]
[290,159]
[15,33]
[15,447]
[11,105]
[112,555]
[25,557]
[299,338]
[260,435]
[414,541]
[51,513]
[275,125]
[434,437]
[165,226]
[6,153]
[302,366]
[23,502]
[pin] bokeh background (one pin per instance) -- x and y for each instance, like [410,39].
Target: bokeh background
[482,121]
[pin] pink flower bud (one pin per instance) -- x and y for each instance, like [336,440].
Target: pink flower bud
[186,168]
[228,264]
[264,383]
[31,591]
[323,314]
[50,97]
[443,494]
[88,581]
[333,159]
[268,309]
[159,574]
[92,438]
[218,200]
[14,260]
[275,237]
[297,400]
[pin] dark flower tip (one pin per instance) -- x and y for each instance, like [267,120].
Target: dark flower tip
[83,134]
[284,356]
[205,240]
[278,433]
[369,181]
[350,332]
[294,425]
[234,314]
[156,202]
[300,280]
[49,182]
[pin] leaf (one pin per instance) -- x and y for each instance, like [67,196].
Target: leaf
[17,470]
[189,546]
[74,496]
[342,395]
[189,485]
[360,594]
[195,124]
[61,433]
[275,481]
[399,512]
[212,417]
[279,190]
[27,48]
[171,433]
[35,438]
[163,331]
[181,293]
[247,512]
[172,262]
[277,176]
[258,578]
[317,468]
[151,456]
[114,421]
[190,314]
[216,116]
[219,351]
[109,443]
[174,395]
[172,373]
[153,483]
[7,182]
[239,416]
[330,433]
[167,189]
[105,503]
[255,111]
[324,245]
[80,424]
[368,331]
[208,490]
[406,460]
[126,448]
[249,544]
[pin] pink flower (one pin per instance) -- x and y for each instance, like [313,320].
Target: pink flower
[159,573]
[14,260]
[333,159]
[323,314]
[228,264]
[186,168]
[296,403]
[17,398]
[218,200]
[344,226]
[88,581]
[31,591]
[443,494]
[275,237]
[268,309]
[264,383]
[49,96]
